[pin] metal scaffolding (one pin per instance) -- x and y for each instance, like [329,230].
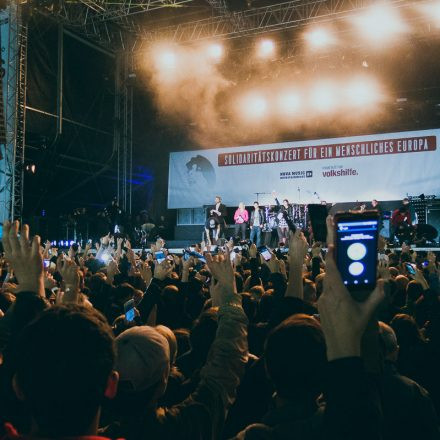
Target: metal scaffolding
[15,110]
[123,134]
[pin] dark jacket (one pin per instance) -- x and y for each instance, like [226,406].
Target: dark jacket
[407,408]
[352,411]
[251,220]
[223,211]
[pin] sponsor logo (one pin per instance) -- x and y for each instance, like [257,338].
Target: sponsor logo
[339,173]
[296,174]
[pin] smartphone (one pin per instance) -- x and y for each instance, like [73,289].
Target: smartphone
[264,251]
[129,310]
[318,217]
[356,250]
[46,263]
[410,268]
[160,256]
[425,263]
[198,255]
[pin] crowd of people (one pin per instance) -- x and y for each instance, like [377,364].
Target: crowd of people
[214,344]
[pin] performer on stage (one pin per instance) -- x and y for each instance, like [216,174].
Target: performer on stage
[219,211]
[401,222]
[241,217]
[256,224]
[283,227]
[212,230]
[114,214]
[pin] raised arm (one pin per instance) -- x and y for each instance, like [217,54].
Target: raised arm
[297,251]
[228,355]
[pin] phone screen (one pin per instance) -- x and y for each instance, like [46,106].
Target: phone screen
[410,268]
[265,252]
[46,264]
[160,256]
[129,310]
[198,255]
[318,215]
[356,249]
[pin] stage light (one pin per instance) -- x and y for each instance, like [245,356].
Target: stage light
[379,24]
[362,92]
[323,97]
[266,48]
[31,168]
[318,38]
[432,10]
[215,51]
[253,106]
[166,60]
[289,102]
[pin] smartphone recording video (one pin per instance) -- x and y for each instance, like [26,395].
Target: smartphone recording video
[129,310]
[264,251]
[160,256]
[356,249]
[410,268]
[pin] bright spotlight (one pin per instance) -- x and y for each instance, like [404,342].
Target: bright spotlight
[253,106]
[318,38]
[323,97]
[289,102]
[215,51]
[432,10]
[166,60]
[361,92]
[380,23]
[266,48]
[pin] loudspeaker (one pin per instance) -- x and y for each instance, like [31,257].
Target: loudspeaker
[433,217]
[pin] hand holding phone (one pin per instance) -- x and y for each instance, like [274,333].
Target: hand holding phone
[160,256]
[265,252]
[411,269]
[129,310]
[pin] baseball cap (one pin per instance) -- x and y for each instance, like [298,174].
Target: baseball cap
[143,355]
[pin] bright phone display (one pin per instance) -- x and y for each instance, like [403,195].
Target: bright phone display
[160,256]
[129,310]
[356,249]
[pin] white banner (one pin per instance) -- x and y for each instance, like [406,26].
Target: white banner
[381,166]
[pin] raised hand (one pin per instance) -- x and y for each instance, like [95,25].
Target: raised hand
[146,273]
[316,250]
[383,269]
[162,270]
[344,319]
[223,288]
[298,247]
[71,279]
[273,264]
[24,256]
[253,251]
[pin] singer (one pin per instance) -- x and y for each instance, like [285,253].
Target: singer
[241,217]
